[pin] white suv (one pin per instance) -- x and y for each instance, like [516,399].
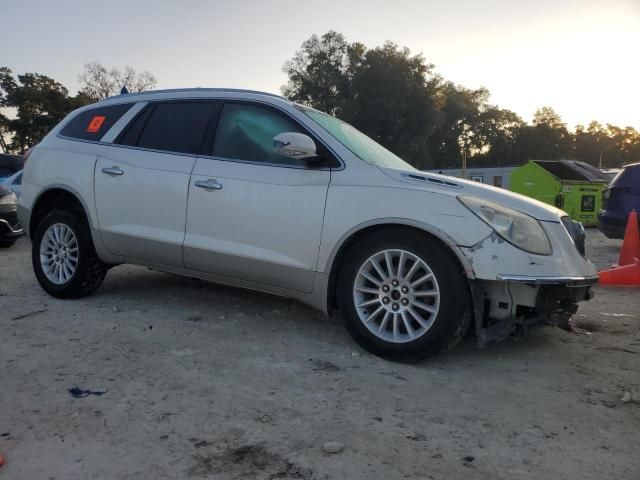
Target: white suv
[249,189]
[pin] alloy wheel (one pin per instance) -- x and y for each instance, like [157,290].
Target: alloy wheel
[396,295]
[59,253]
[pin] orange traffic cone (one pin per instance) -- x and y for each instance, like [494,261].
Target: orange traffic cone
[630,251]
[624,275]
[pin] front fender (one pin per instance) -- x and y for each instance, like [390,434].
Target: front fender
[351,208]
[405,222]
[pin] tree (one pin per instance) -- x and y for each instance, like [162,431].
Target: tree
[458,130]
[499,129]
[39,103]
[549,135]
[4,132]
[394,101]
[625,146]
[318,73]
[99,83]
[591,143]
[385,92]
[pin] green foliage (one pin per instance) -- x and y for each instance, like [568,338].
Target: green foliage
[397,99]
[319,73]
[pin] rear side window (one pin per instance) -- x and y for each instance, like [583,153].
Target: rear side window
[246,132]
[93,124]
[177,127]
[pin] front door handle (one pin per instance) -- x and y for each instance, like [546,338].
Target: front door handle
[209,185]
[113,171]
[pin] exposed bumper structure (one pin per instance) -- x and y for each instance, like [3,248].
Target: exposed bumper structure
[510,308]
[514,290]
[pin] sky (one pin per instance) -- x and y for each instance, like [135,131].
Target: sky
[578,56]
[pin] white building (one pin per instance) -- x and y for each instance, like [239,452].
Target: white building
[497,176]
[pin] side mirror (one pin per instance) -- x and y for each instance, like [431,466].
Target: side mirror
[295,145]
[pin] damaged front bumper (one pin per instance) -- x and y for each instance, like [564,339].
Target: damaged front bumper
[514,290]
[511,306]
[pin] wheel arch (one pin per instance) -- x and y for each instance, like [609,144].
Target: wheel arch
[351,238]
[56,196]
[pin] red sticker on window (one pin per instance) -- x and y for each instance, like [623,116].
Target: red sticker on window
[96,123]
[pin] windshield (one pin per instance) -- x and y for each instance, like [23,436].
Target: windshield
[362,146]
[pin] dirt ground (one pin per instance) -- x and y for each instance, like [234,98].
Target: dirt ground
[205,381]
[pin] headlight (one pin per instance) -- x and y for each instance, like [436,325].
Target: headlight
[7,199]
[515,227]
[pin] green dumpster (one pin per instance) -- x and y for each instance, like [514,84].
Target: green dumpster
[575,187]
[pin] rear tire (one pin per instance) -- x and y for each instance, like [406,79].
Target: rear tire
[403,312]
[63,256]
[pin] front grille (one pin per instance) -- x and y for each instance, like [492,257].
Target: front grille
[576,232]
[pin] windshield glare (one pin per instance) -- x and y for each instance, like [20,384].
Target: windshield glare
[362,146]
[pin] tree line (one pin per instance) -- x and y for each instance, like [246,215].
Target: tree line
[400,101]
[392,95]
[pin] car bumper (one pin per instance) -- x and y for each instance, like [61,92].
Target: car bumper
[566,281]
[10,229]
[495,259]
[612,224]
[514,290]
[511,307]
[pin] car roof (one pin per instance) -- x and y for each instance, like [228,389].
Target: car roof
[193,93]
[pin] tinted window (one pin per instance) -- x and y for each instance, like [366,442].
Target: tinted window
[173,127]
[131,134]
[246,132]
[93,124]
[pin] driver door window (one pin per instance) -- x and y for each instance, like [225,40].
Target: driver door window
[245,132]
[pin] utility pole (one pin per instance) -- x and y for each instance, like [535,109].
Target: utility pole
[600,162]
[464,163]
[601,154]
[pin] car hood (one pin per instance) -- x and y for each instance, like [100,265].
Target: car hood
[453,186]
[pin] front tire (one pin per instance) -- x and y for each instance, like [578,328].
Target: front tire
[63,256]
[402,296]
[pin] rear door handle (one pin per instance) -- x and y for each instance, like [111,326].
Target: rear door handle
[210,184]
[113,171]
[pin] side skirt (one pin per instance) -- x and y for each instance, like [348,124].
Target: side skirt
[316,299]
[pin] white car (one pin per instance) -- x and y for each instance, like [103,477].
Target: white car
[250,189]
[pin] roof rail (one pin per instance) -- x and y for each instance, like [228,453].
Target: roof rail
[197,89]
